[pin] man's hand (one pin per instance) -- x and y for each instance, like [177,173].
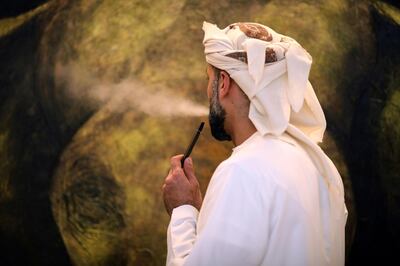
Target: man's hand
[181,186]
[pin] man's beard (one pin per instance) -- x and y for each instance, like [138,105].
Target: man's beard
[217,115]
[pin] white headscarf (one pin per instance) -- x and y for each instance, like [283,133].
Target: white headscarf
[272,70]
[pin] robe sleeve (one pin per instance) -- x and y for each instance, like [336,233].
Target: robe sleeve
[233,225]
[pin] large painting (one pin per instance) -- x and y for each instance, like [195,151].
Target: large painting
[95,96]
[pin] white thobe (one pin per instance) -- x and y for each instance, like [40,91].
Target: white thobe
[265,205]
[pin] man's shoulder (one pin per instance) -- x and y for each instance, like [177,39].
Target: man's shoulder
[233,165]
[235,177]
[236,169]
[266,159]
[262,155]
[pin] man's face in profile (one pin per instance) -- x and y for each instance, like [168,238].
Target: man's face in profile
[216,116]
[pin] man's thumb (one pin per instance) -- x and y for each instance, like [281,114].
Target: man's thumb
[189,169]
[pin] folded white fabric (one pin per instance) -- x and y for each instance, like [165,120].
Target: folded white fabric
[272,70]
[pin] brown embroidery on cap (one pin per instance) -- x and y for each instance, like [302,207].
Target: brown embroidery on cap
[254,30]
[241,56]
[270,56]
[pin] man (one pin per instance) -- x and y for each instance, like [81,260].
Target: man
[278,199]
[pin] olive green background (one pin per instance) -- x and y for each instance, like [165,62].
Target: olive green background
[95,96]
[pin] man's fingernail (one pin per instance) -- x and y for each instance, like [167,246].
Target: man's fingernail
[190,161]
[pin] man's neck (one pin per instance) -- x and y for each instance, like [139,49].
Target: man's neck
[242,131]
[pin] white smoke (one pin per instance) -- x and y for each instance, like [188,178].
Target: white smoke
[154,100]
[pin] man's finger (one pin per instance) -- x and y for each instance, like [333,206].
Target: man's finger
[176,161]
[189,170]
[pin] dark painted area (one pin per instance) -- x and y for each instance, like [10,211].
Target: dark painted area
[15,7]
[28,233]
[395,3]
[373,243]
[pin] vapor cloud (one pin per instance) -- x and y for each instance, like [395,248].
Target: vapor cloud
[154,100]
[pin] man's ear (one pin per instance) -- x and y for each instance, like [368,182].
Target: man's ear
[225,83]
